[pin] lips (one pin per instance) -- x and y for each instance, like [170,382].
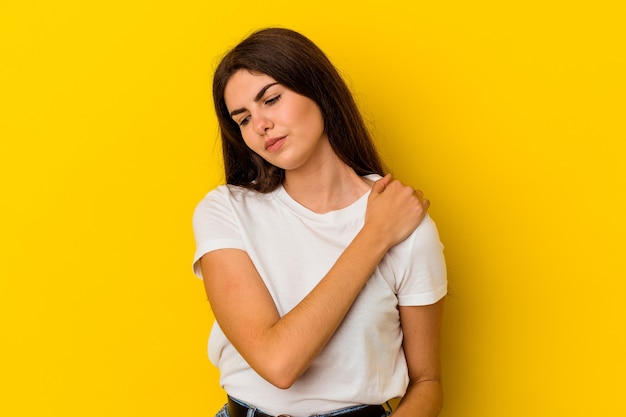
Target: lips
[273,144]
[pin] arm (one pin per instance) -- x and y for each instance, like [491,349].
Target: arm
[278,348]
[421,326]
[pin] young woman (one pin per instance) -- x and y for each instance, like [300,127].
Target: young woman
[326,278]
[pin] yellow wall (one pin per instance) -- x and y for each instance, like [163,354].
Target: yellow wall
[509,115]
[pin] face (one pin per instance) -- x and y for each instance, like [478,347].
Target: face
[283,127]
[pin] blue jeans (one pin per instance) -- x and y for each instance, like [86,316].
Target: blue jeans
[223,412]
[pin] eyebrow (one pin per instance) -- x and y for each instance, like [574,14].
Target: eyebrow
[256,98]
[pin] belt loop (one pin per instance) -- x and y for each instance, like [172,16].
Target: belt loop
[251,412]
[388,409]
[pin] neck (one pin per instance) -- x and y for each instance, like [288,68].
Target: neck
[331,186]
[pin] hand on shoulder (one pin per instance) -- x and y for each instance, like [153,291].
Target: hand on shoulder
[394,210]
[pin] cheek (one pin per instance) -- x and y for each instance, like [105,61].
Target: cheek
[317,122]
[312,114]
[251,141]
[246,140]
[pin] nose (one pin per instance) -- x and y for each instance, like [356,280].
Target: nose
[262,124]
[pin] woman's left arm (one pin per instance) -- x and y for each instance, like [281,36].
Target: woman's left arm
[421,326]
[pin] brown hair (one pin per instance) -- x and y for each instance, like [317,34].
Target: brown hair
[298,64]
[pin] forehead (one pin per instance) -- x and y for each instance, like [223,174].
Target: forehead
[243,86]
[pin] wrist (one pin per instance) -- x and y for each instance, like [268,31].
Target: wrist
[373,240]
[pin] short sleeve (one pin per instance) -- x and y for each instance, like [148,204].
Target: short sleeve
[215,226]
[422,277]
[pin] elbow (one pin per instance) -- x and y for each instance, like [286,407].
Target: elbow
[281,373]
[281,364]
[430,389]
[282,383]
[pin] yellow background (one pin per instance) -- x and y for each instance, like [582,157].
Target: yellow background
[510,115]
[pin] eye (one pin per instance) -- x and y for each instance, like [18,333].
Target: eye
[272,100]
[244,121]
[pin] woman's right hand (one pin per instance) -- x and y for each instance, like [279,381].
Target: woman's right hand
[394,210]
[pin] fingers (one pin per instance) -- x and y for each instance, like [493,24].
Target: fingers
[394,210]
[380,185]
[425,203]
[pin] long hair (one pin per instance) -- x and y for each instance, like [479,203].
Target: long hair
[298,64]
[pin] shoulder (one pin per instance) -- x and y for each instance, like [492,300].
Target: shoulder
[217,201]
[223,193]
[424,238]
[419,266]
[426,234]
[422,247]
[226,194]
[229,199]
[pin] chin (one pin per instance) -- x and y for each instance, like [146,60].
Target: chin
[288,164]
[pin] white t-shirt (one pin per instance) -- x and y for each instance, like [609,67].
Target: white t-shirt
[293,248]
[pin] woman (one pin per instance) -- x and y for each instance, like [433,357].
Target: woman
[326,279]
